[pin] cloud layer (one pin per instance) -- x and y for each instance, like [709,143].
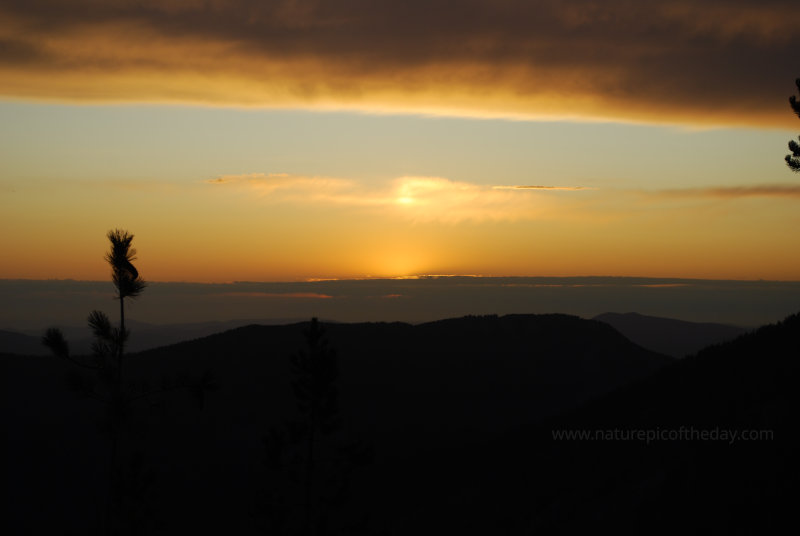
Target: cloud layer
[419,199]
[676,61]
[442,200]
[737,192]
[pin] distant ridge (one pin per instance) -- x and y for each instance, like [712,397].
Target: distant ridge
[413,391]
[509,369]
[12,342]
[144,336]
[676,338]
[29,304]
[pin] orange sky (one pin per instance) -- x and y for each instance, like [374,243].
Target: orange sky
[290,140]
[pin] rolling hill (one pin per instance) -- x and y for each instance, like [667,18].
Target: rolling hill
[414,393]
[463,415]
[12,342]
[676,338]
[706,444]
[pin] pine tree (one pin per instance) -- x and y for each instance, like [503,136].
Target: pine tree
[309,464]
[128,483]
[793,160]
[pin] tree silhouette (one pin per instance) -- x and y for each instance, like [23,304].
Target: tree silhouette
[125,277]
[793,160]
[309,464]
[126,506]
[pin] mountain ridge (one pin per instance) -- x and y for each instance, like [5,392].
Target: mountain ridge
[706,444]
[670,336]
[411,390]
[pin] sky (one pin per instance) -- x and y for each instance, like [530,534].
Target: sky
[299,140]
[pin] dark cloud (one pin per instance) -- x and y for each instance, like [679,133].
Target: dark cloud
[733,192]
[676,60]
[279,295]
[18,52]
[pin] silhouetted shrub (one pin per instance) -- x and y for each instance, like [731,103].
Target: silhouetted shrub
[309,463]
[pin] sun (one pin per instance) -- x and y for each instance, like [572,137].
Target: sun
[398,262]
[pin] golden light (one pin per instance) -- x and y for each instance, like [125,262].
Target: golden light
[398,261]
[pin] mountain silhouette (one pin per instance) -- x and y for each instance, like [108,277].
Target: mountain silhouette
[685,483]
[422,395]
[491,371]
[12,342]
[462,414]
[145,336]
[677,338]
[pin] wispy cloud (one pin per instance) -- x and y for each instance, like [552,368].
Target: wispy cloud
[736,192]
[418,198]
[287,187]
[426,199]
[677,61]
[423,199]
[525,187]
[278,295]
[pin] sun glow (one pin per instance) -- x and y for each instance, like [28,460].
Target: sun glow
[400,261]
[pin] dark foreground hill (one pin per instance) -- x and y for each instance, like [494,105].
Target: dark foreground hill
[669,336]
[12,342]
[706,445]
[425,397]
[147,336]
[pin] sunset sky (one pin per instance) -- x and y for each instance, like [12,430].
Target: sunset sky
[290,140]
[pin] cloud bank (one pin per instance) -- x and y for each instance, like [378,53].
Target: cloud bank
[674,61]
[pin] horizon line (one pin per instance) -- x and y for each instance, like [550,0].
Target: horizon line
[415,277]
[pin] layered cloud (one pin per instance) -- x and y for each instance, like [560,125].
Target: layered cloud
[676,61]
[419,199]
[736,192]
[438,199]
[540,187]
[290,187]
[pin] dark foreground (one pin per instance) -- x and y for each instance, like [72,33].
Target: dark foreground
[446,427]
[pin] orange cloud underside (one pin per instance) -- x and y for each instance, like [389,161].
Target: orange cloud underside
[519,60]
[466,93]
